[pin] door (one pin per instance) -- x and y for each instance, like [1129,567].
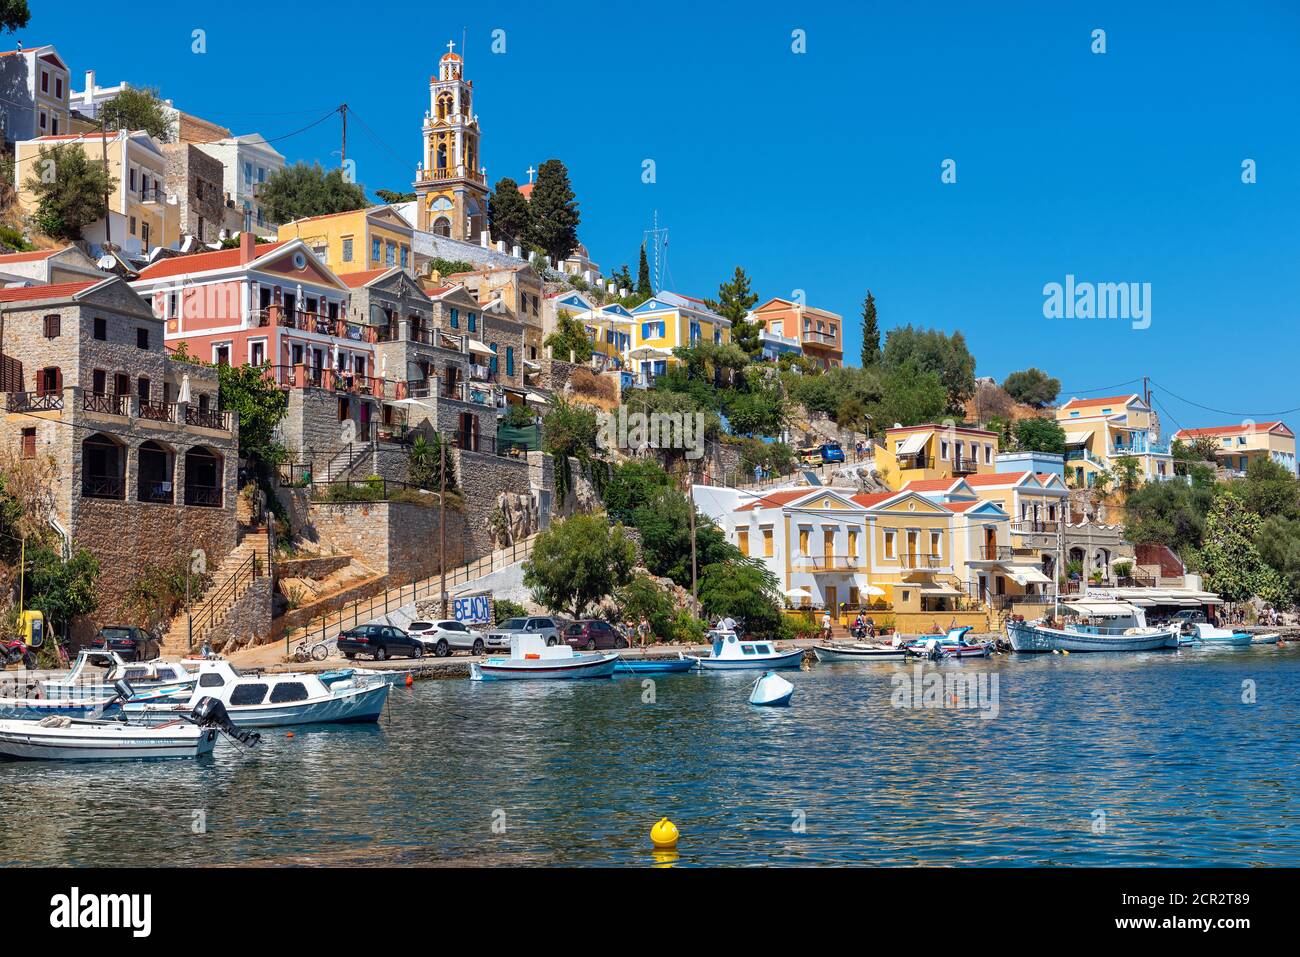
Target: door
[833,601]
[911,549]
[990,543]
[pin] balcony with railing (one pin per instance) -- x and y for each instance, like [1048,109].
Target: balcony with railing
[995,553]
[317,322]
[918,560]
[34,402]
[321,377]
[442,174]
[820,339]
[1033,527]
[151,194]
[106,403]
[965,466]
[823,564]
[207,418]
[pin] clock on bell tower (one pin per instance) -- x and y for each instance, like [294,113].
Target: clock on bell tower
[450,186]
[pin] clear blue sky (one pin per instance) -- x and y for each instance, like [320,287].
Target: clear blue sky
[821,171]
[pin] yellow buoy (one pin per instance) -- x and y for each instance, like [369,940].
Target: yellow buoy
[664,834]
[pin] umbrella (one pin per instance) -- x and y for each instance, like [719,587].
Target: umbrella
[648,352]
[799,593]
[872,590]
[185,389]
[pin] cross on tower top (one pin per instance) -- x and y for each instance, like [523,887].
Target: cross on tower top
[451,46]
[530,172]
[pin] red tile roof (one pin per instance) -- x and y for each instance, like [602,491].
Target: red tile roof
[61,290]
[202,262]
[771,499]
[939,428]
[1098,403]
[1243,429]
[355,279]
[526,190]
[960,506]
[995,478]
[30,257]
[930,485]
[873,499]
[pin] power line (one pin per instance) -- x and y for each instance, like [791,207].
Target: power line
[1241,415]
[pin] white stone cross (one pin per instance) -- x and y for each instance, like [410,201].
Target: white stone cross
[530,172]
[451,46]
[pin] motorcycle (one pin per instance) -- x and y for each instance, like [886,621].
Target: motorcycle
[13,651]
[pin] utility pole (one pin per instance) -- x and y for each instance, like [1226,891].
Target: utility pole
[1146,391]
[442,526]
[108,219]
[343,154]
[690,504]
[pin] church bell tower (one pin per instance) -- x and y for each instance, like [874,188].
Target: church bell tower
[450,186]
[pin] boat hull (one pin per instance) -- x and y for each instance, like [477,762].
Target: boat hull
[653,666]
[1035,638]
[828,653]
[783,659]
[553,669]
[346,706]
[28,741]
[1269,639]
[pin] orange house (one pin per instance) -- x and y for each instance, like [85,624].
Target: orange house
[819,332]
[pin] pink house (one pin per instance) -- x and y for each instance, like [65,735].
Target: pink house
[266,304]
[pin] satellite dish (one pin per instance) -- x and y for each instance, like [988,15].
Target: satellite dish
[106,262]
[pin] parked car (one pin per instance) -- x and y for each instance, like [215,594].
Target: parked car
[593,633]
[444,637]
[379,641]
[832,452]
[499,637]
[132,643]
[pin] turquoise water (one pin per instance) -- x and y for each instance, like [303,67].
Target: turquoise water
[532,773]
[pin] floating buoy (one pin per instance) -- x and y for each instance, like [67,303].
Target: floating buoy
[664,834]
[409,681]
[288,734]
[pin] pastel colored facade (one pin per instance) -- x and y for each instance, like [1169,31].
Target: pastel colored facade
[271,304]
[87,102]
[141,214]
[36,94]
[247,162]
[1236,446]
[900,550]
[510,300]
[357,241]
[1100,433]
[1046,462]
[450,186]
[921,452]
[819,332]
[667,321]
[49,266]
[609,327]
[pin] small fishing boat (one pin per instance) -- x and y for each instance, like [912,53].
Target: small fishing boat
[1270,639]
[1203,633]
[730,652]
[859,652]
[260,700]
[953,644]
[34,707]
[94,673]
[654,666]
[1094,625]
[61,738]
[531,658]
[771,690]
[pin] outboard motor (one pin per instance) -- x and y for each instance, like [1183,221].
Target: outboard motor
[211,713]
[124,690]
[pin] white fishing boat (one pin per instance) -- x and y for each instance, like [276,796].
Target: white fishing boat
[264,700]
[730,653]
[531,658]
[1203,633]
[1270,639]
[859,651]
[952,644]
[61,738]
[771,690]
[94,673]
[1093,625]
[35,704]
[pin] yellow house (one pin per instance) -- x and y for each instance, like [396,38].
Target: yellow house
[1100,433]
[921,452]
[356,241]
[1236,446]
[608,327]
[141,216]
[899,552]
[665,322]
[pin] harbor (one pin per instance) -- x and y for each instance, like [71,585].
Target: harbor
[466,773]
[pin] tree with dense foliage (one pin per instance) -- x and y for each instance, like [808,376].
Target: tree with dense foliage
[61,590]
[570,341]
[70,191]
[1230,560]
[632,483]
[643,287]
[14,15]
[568,431]
[1269,488]
[1040,435]
[910,396]
[1170,513]
[734,302]
[449,267]
[1032,387]
[301,190]
[1127,473]
[931,350]
[554,216]
[870,332]
[510,216]
[137,108]
[393,198]
[642,597]
[261,405]
[745,589]
[1199,451]
[577,562]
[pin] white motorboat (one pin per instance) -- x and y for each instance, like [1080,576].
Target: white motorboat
[94,673]
[859,651]
[730,652]
[263,700]
[1270,639]
[1203,633]
[772,690]
[1094,625]
[61,738]
[34,705]
[531,658]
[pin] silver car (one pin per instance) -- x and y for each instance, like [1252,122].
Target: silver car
[543,626]
[444,637]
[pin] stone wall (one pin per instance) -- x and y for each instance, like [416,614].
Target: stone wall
[482,479]
[248,622]
[195,179]
[397,539]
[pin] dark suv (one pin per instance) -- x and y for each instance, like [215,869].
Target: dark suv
[592,634]
[379,641]
[132,643]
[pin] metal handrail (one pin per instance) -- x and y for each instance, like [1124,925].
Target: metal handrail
[222,597]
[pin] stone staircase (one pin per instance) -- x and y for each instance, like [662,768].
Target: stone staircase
[346,460]
[231,579]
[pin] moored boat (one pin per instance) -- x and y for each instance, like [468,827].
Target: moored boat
[1202,633]
[1269,639]
[1096,626]
[94,672]
[953,644]
[859,652]
[730,652]
[531,658]
[653,666]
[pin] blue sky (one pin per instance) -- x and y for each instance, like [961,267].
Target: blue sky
[821,171]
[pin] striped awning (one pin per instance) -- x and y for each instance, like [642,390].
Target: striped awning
[913,444]
[1077,438]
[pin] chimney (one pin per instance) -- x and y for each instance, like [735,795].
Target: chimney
[485,239]
[90,85]
[247,247]
[517,252]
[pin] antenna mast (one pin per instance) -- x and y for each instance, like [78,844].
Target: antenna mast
[658,237]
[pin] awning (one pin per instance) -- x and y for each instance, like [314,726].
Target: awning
[1077,438]
[536,398]
[480,348]
[1025,574]
[940,591]
[1100,608]
[1143,602]
[913,444]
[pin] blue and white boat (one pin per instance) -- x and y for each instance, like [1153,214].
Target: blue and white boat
[531,658]
[730,652]
[952,644]
[1202,633]
[654,666]
[94,673]
[1094,625]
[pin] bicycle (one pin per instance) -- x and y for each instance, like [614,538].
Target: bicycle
[317,652]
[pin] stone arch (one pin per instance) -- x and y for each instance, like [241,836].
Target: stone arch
[155,473]
[203,477]
[103,467]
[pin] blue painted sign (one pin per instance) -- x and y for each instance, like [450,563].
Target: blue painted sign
[471,611]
